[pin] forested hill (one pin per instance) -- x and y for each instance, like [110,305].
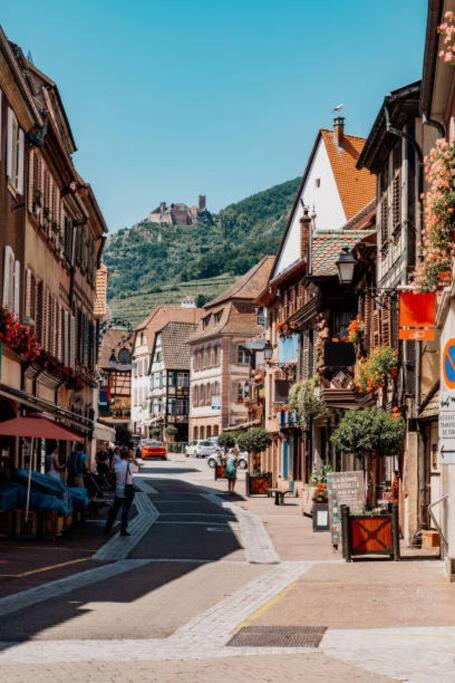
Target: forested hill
[148,259]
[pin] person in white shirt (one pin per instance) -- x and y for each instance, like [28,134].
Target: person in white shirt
[124,469]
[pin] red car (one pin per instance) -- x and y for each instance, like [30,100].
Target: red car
[153,449]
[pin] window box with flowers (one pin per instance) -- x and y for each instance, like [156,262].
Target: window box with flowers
[373,372]
[436,249]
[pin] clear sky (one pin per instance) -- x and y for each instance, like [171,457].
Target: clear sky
[171,98]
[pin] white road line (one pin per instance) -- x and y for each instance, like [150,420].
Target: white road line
[119,547]
[259,548]
[53,589]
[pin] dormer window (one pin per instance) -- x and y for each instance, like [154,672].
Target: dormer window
[217,317]
[206,321]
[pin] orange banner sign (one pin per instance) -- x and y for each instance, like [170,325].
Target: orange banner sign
[417,316]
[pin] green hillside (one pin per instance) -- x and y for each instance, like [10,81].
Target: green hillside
[151,264]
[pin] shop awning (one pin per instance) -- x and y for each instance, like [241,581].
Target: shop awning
[37,427]
[103,432]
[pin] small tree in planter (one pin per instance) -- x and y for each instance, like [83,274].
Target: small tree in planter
[155,432]
[170,432]
[370,432]
[255,442]
[227,440]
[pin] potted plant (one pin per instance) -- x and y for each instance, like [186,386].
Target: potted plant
[373,372]
[255,441]
[170,432]
[320,507]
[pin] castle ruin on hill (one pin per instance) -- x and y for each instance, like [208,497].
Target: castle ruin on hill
[178,214]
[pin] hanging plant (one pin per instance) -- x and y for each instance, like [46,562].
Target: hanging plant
[447,32]
[439,214]
[356,330]
[304,398]
[373,372]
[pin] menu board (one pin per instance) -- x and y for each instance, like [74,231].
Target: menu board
[344,488]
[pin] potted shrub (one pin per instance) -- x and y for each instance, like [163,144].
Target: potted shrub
[255,441]
[170,432]
[320,507]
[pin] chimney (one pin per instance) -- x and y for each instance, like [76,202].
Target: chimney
[201,203]
[305,228]
[338,129]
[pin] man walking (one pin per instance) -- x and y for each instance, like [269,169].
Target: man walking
[124,469]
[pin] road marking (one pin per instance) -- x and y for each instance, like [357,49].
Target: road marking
[49,568]
[266,606]
[53,589]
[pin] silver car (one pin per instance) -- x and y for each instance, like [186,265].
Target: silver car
[242,460]
[200,449]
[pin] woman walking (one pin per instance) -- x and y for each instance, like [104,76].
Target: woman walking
[230,471]
[54,469]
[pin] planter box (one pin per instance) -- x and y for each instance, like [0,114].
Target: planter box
[219,471]
[258,485]
[321,517]
[370,534]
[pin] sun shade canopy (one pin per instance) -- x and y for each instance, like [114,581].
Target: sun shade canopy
[37,427]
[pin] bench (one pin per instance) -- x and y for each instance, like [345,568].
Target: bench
[281,493]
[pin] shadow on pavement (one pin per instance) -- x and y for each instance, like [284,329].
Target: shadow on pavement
[185,544]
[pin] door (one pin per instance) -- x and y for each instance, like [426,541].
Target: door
[284,459]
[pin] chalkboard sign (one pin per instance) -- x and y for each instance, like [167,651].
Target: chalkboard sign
[344,488]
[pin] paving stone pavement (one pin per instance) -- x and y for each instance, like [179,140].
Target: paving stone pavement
[256,541]
[119,547]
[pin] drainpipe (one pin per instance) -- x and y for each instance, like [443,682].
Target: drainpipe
[434,124]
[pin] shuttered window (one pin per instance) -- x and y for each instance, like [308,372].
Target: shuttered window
[375,328]
[8,278]
[15,151]
[305,354]
[386,325]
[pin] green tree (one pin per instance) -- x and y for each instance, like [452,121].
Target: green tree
[254,441]
[227,440]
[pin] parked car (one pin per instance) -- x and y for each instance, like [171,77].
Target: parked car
[153,449]
[242,460]
[200,449]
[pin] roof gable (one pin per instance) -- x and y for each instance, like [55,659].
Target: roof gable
[247,286]
[355,187]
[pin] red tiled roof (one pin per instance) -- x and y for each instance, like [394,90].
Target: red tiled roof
[326,247]
[356,188]
[176,352]
[248,286]
[165,314]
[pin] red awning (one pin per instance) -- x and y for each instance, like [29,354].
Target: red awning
[37,426]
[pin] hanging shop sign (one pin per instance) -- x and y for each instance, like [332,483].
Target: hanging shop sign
[417,316]
[446,422]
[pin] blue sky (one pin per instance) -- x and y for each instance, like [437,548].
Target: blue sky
[171,98]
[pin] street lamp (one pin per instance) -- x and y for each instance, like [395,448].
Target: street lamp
[345,265]
[268,351]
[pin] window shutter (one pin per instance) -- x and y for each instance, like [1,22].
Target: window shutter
[9,144]
[20,167]
[39,312]
[367,319]
[8,278]
[31,180]
[66,359]
[306,354]
[375,328]
[28,292]
[17,288]
[386,325]
[39,187]
[72,355]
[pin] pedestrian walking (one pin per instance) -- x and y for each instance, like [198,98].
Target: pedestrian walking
[124,469]
[230,471]
[77,467]
[54,468]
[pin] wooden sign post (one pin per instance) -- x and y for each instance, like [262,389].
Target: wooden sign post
[344,488]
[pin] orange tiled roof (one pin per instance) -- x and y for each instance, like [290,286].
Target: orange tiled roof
[249,285]
[356,188]
[161,315]
[326,248]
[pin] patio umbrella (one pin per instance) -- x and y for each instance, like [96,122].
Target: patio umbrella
[36,426]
